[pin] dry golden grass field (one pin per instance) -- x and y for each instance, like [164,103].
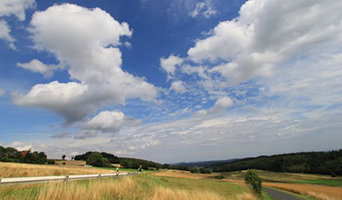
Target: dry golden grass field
[71,162]
[290,182]
[317,191]
[24,170]
[76,163]
[139,187]
[168,184]
[184,174]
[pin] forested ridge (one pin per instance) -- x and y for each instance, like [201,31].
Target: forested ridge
[329,162]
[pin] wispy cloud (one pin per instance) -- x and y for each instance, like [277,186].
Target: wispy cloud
[203,9]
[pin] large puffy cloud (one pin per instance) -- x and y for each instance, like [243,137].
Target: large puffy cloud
[16,8]
[169,65]
[86,40]
[39,67]
[268,33]
[108,122]
[70,100]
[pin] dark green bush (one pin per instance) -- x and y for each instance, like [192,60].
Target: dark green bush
[205,171]
[194,170]
[97,160]
[51,162]
[219,177]
[252,179]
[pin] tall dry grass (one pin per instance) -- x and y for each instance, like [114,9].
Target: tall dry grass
[317,191]
[245,196]
[24,170]
[321,196]
[126,188]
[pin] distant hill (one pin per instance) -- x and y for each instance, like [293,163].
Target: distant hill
[135,163]
[125,162]
[304,162]
[111,158]
[205,164]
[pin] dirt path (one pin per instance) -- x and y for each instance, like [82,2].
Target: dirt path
[278,195]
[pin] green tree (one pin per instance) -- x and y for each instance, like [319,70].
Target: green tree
[97,160]
[252,179]
[63,157]
[126,164]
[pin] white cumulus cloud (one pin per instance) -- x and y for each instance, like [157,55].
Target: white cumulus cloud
[5,33]
[39,67]
[268,33]
[107,121]
[16,8]
[178,87]
[220,106]
[86,41]
[169,65]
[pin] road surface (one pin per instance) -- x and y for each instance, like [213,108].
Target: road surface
[279,195]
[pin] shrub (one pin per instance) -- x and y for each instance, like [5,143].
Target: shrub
[194,170]
[252,179]
[219,177]
[97,160]
[205,171]
[126,164]
[51,162]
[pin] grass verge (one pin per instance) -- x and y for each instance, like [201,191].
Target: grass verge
[140,187]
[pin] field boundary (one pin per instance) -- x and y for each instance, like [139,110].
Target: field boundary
[39,179]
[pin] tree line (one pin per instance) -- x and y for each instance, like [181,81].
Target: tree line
[10,154]
[110,157]
[304,162]
[103,159]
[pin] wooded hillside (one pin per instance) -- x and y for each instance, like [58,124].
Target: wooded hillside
[304,162]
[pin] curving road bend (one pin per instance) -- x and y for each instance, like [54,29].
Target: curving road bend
[279,195]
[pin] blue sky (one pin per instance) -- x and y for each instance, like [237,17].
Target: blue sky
[175,80]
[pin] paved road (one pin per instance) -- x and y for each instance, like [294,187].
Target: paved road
[278,195]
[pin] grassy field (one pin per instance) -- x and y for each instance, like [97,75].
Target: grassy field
[140,187]
[185,174]
[70,162]
[310,186]
[285,177]
[164,184]
[24,170]
[328,182]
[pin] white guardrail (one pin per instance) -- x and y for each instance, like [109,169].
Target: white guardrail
[58,178]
